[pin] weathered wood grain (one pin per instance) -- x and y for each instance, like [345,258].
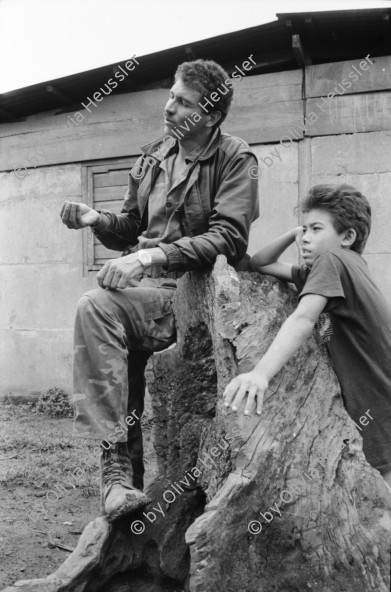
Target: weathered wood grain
[348,114]
[114,194]
[323,78]
[303,456]
[264,107]
[102,254]
[111,179]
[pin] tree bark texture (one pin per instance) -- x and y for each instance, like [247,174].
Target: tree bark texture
[282,502]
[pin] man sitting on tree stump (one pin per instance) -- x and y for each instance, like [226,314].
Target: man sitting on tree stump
[190,198]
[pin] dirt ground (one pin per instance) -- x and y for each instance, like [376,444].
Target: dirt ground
[49,487]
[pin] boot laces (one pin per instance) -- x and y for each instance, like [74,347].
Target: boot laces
[115,466]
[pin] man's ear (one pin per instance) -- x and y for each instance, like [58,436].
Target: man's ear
[213,118]
[350,236]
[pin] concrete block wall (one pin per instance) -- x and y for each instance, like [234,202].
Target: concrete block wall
[364,161]
[41,271]
[41,274]
[41,261]
[278,195]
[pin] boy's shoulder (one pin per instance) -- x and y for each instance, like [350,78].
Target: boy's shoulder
[341,261]
[346,256]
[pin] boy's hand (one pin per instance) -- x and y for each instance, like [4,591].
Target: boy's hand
[254,383]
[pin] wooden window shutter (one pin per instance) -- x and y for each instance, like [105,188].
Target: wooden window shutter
[104,185]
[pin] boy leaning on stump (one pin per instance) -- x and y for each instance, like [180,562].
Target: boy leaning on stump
[337,295]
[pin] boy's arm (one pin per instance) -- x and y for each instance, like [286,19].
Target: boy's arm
[293,333]
[266,259]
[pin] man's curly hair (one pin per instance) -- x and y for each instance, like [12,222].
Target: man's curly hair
[206,77]
[347,206]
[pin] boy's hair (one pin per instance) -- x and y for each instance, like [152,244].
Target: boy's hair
[347,206]
[206,76]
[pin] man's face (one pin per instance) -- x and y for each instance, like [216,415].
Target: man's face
[182,103]
[319,235]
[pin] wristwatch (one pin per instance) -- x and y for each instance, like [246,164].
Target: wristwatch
[144,257]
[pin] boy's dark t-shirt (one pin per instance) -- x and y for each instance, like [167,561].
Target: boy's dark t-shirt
[356,326]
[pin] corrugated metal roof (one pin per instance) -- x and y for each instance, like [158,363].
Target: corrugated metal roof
[325,37]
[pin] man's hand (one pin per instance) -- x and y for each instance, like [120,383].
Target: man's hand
[255,383]
[117,273]
[78,215]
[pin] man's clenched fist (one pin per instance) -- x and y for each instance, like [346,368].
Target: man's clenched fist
[78,215]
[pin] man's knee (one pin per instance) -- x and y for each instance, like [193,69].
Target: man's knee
[96,305]
[101,298]
[107,306]
[90,299]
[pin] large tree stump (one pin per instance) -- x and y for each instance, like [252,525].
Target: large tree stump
[284,502]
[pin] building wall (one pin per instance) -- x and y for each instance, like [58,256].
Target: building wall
[362,160]
[41,278]
[42,263]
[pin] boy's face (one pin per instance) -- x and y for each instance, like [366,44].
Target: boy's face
[319,235]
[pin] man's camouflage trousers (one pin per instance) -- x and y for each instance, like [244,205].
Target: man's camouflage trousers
[115,333]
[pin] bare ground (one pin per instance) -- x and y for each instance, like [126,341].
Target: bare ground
[46,500]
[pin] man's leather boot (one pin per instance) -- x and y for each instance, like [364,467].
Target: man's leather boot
[118,496]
